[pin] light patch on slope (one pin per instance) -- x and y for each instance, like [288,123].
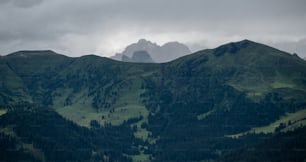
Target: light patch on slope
[297,119]
[3,111]
[277,84]
[128,105]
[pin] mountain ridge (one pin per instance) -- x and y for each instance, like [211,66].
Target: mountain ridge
[183,104]
[203,57]
[164,53]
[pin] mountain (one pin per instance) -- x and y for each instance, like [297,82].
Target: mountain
[164,53]
[200,107]
[138,57]
[46,136]
[288,146]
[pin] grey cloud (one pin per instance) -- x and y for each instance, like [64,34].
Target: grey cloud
[26,3]
[106,26]
[21,3]
[4,2]
[298,47]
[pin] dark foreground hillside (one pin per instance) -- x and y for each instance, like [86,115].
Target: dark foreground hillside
[289,146]
[39,134]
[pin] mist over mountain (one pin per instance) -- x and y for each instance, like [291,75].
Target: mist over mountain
[212,105]
[138,57]
[164,53]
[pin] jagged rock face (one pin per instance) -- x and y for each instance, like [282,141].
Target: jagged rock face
[164,53]
[138,57]
[117,56]
[126,58]
[141,56]
[171,51]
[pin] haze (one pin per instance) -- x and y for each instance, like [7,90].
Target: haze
[104,27]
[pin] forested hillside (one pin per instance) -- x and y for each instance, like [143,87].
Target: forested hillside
[203,106]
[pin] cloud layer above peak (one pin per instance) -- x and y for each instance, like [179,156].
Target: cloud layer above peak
[104,27]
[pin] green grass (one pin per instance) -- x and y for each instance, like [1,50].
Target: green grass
[142,133]
[278,84]
[80,115]
[128,105]
[203,116]
[254,93]
[141,158]
[83,116]
[297,119]
[3,111]
[125,113]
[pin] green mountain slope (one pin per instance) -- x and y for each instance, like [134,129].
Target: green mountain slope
[40,134]
[206,96]
[185,110]
[28,74]
[252,68]
[283,147]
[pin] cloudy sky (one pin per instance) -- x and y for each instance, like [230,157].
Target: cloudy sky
[104,27]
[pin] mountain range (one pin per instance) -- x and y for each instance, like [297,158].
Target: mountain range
[138,57]
[242,101]
[165,53]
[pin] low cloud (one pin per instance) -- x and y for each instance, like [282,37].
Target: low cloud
[26,3]
[21,3]
[104,27]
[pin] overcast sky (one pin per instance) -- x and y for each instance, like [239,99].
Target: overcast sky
[104,27]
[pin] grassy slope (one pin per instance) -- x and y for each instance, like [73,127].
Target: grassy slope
[296,120]
[44,134]
[246,66]
[12,85]
[128,89]
[281,147]
[255,69]
[3,111]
